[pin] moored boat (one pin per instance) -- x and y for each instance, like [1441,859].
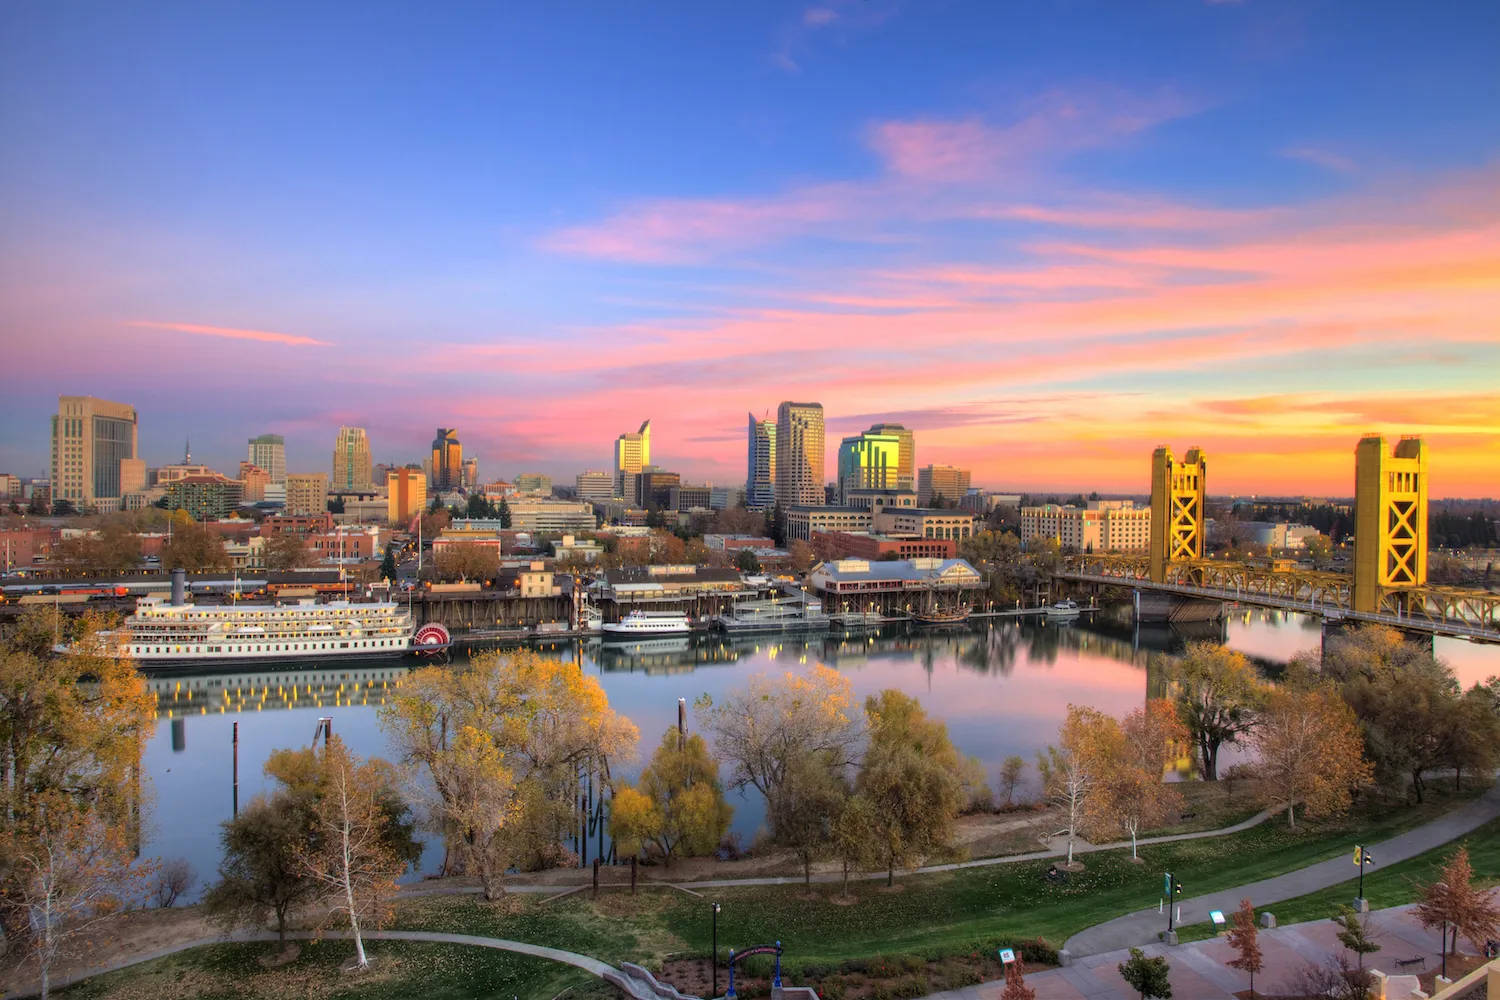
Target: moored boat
[644,623]
[1062,611]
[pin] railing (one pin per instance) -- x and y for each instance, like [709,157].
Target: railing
[1440,610]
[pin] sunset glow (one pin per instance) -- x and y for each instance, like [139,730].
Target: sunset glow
[1045,254]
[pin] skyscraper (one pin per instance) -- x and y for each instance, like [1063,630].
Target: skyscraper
[447,469]
[470,475]
[906,463]
[591,485]
[90,438]
[869,461]
[268,452]
[406,494]
[760,464]
[799,454]
[351,461]
[632,454]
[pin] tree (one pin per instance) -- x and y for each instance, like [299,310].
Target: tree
[1217,692]
[174,878]
[1453,901]
[852,841]
[194,547]
[1131,794]
[763,729]
[348,853]
[1319,548]
[815,791]
[1015,982]
[1310,751]
[1352,934]
[746,561]
[69,867]
[910,775]
[262,875]
[1088,741]
[1471,739]
[678,804]
[110,549]
[505,741]
[467,561]
[286,551]
[502,513]
[479,507]
[739,521]
[1148,976]
[388,569]
[1244,939]
[1011,770]
[802,555]
[975,786]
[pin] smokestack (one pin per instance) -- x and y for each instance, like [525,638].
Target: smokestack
[179,586]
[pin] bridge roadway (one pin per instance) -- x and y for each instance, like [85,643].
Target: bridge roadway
[1456,628]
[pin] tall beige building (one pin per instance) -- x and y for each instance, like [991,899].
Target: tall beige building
[946,481]
[90,439]
[307,494]
[406,494]
[351,461]
[632,454]
[799,454]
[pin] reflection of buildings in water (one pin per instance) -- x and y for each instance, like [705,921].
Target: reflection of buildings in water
[268,690]
[678,654]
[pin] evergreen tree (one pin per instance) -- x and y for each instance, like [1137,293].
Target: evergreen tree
[503,513]
[388,565]
[1148,976]
[1352,934]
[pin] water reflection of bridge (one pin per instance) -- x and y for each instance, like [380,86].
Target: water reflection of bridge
[247,691]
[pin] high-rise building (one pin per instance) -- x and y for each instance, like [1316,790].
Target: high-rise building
[632,454]
[760,464]
[906,460]
[447,468]
[470,477]
[654,487]
[351,461]
[307,494]
[268,452]
[592,485]
[205,498]
[90,438]
[256,480]
[799,454]
[406,494]
[946,481]
[869,461]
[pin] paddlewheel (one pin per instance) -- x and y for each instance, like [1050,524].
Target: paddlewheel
[431,640]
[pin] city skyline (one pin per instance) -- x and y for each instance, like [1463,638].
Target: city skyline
[1253,227]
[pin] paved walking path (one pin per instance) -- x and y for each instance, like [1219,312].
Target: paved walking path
[1143,926]
[1199,970]
[584,962]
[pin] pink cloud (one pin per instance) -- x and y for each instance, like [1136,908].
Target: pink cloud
[232,333]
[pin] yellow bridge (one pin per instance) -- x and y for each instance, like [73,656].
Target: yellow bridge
[1389,582]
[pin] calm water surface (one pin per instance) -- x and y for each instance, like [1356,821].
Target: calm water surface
[1001,688]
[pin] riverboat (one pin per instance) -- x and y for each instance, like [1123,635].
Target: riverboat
[161,631]
[645,623]
[782,614]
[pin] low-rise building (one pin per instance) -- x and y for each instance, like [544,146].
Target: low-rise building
[372,510]
[878,500]
[925,522]
[733,543]
[537,484]
[670,582]
[801,522]
[256,480]
[874,547]
[726,497]
[1101,526]
[541,517]
[985,502]
[857,578]
[346,543]
[689,497]
[569,547]
[301,525]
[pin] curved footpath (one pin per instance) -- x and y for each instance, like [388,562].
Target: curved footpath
[721,883]
[1142,927]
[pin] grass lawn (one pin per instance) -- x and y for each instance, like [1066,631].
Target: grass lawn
[1384,887]
[401,970]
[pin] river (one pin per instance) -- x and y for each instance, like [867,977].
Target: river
[1002,689]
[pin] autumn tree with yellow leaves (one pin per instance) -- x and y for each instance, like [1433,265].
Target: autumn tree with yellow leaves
[678,804]
[505,741]
[1310,751]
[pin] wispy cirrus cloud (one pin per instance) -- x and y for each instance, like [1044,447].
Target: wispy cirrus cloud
[1327,159]
[231,333]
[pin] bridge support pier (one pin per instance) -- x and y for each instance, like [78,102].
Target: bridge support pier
[1151,606]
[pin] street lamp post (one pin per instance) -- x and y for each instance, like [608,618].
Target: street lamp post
[1362,857]
[714,962]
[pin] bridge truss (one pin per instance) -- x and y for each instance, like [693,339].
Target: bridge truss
[1471,614]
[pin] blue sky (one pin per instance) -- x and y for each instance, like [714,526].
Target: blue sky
[543,224]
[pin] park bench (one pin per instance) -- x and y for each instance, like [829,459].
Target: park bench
[1406,963]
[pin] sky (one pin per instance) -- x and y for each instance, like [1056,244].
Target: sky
[1047,236]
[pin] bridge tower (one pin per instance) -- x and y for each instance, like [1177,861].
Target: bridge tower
[1177,531]
[1390,518]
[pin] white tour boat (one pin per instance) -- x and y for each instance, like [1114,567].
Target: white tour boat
[1063,611]
[642,623]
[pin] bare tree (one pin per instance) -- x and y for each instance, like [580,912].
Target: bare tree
[175,878]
